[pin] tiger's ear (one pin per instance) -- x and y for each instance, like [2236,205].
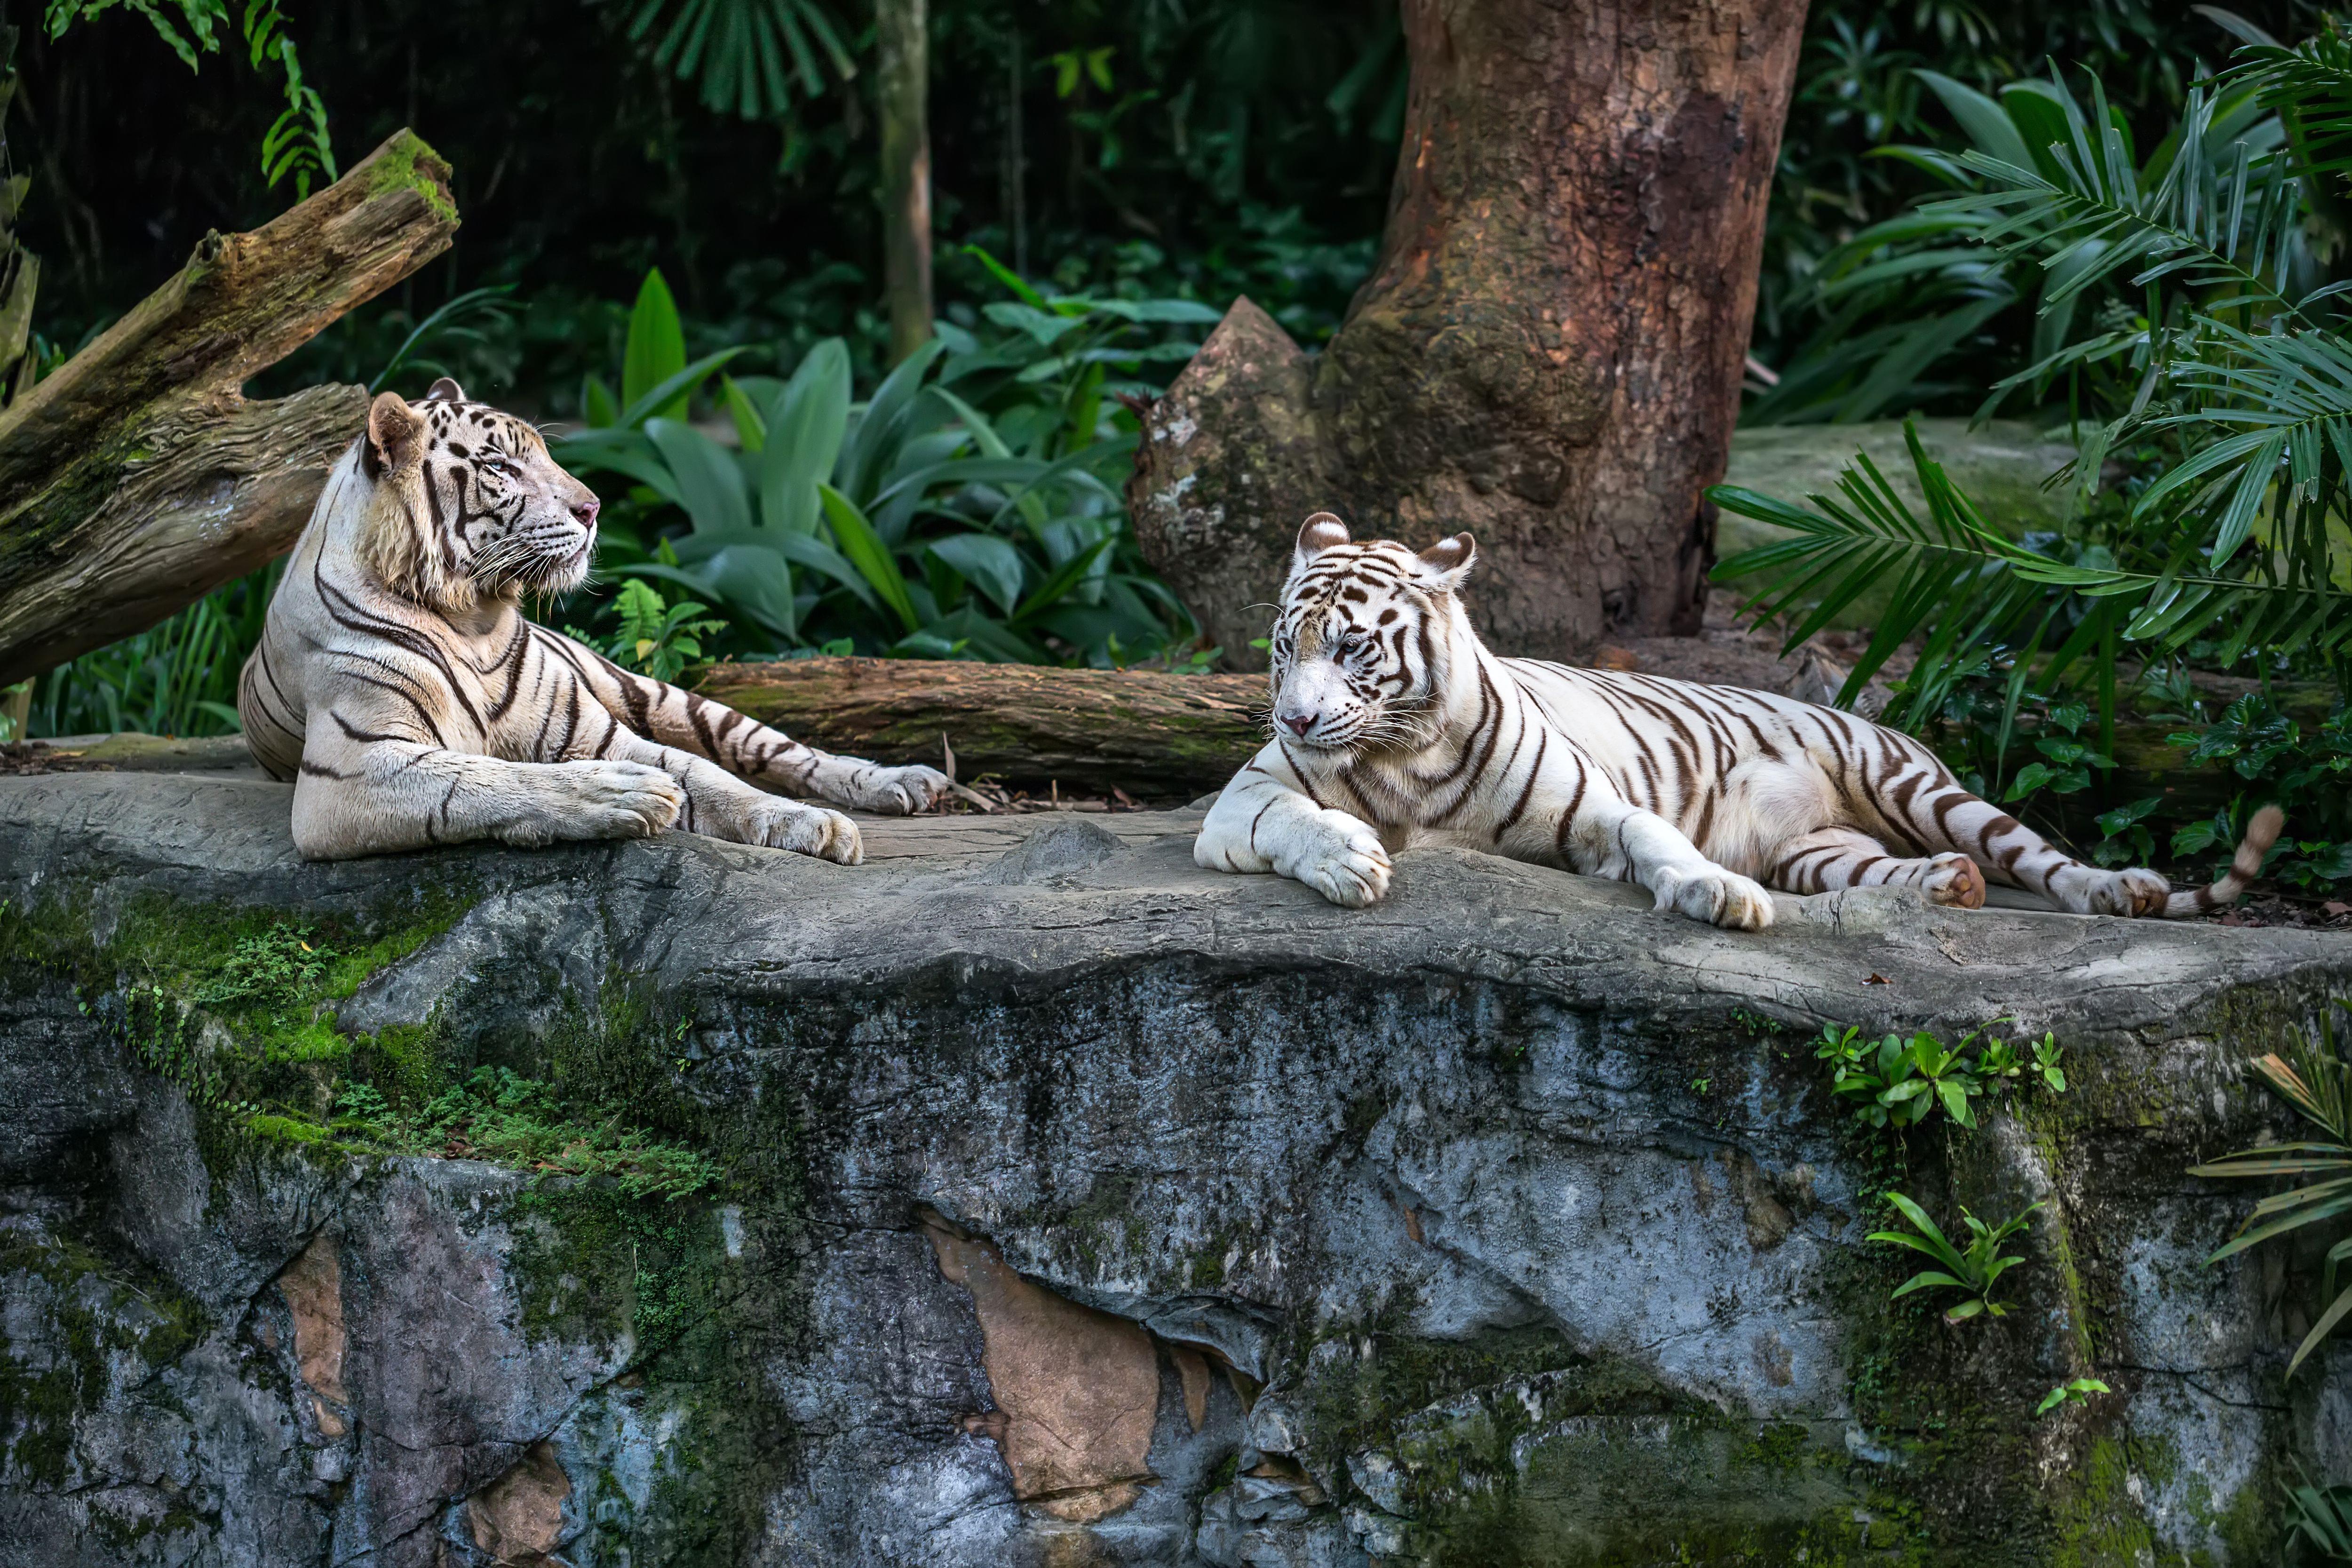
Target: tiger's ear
[446,391]
[1446,563]
[1318,534]
[395,436]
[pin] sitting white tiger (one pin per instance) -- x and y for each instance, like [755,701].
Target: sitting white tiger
[1394,726]
[403,691]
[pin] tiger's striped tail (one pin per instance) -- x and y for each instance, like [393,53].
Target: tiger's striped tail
[2245,867]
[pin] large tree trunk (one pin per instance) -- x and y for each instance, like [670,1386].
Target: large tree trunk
[1546,354]
[137,479]
[902,39]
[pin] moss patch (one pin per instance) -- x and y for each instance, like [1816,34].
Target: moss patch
[408,164]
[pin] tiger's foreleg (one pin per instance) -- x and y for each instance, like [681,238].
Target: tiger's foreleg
[1831,857]
[718,804]
[1265,821]
[680,719]
[1603,834]
[364,792]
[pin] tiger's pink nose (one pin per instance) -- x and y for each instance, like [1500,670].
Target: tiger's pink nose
[1300,723]
[585,511]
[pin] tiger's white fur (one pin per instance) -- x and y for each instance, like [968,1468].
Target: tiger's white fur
[399,686]
[1394,726]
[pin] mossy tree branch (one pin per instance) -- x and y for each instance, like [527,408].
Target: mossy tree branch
[138,478]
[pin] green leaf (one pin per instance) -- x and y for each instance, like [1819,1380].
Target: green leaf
[989,563]
[709,481]
[866,551]
[1987,124]
[808,420]
[672,391]
[656,347]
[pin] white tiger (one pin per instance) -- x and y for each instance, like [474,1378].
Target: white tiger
[401,688]
[1393,725]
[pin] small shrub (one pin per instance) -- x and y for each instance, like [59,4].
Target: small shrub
[1975,1269]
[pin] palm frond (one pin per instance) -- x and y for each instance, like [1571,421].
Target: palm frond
[1953,579]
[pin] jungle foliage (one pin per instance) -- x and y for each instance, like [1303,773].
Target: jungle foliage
[2188,324]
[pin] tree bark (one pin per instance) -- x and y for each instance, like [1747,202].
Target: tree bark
[1547,351]
[138,478]
[1153,736]
[902,40]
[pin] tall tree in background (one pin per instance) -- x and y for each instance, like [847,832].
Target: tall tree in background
[1548,349]
[902,45]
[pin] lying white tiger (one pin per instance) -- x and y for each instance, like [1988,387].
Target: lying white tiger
[403,691]
[1394,726]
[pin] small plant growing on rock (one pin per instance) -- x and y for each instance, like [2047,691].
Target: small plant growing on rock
[2318,1523]
[1902,1082]
[1975,1268]
[2319,1084]
[2078,1392]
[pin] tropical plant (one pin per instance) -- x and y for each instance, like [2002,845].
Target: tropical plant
[177,677]
[1975,1269]
[2077,1390]
[2310,768]
[2231,376]
[296,142]
[654,638]
[2318,1522]
[967,509]
[747,54]
[2317,1080]
[1903,295]
[1899,1082]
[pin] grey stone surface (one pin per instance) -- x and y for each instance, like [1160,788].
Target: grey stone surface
[1506,1221]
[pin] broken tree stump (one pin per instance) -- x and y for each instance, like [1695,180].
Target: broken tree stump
[138,476]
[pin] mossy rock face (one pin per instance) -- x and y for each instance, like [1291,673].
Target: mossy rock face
[678,1201]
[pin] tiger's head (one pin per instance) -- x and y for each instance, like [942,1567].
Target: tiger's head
[1363,645]
[468,505]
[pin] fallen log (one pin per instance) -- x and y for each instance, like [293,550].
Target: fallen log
[138,478]
[1158,736]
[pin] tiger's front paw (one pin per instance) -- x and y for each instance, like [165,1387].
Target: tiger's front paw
[897,792]
[617,800]
[805,830]
[1719,896]
[1343,859]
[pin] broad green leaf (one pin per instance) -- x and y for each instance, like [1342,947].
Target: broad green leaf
[656,347]
[988,563]
[1985,121]
[806,424]
[709,481]
[671,391]
[866,551]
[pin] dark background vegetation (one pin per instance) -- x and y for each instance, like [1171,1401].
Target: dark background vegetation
[1244,146]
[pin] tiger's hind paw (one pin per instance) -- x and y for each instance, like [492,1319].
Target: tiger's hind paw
[1954,881]
[2135,893]
[897,792]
